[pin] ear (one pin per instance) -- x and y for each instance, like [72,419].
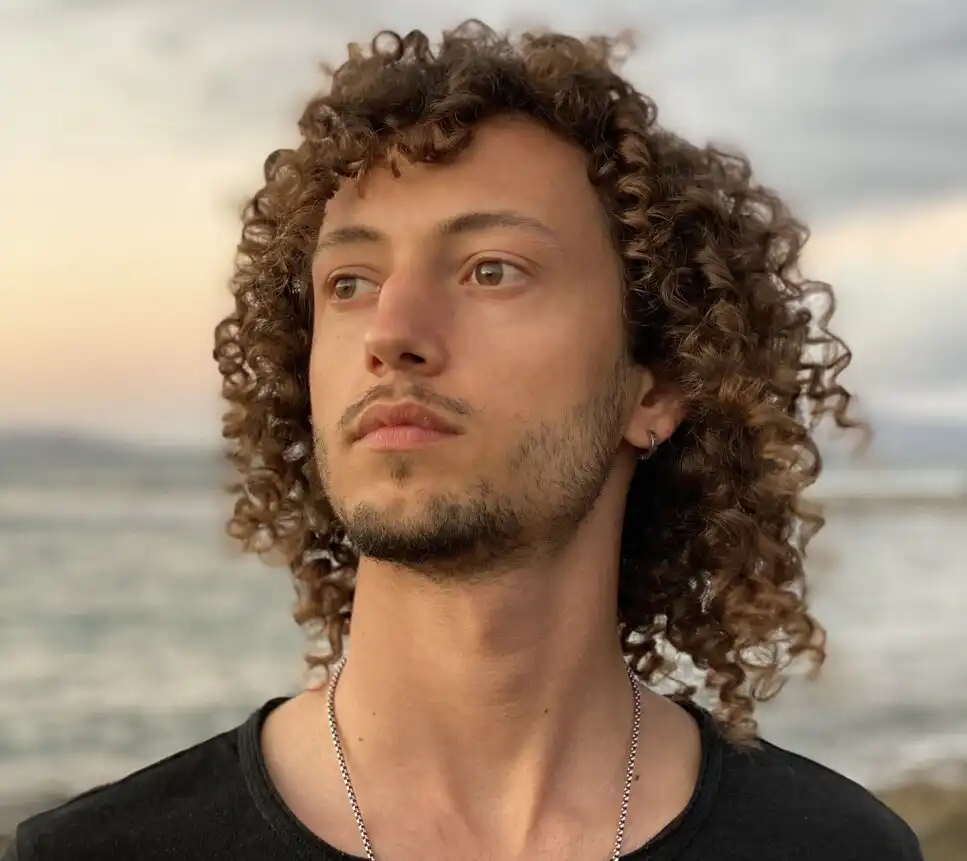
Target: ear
[658,409]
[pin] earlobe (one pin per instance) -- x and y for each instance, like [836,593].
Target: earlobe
[658,412]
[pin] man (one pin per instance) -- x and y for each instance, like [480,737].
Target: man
[522,387]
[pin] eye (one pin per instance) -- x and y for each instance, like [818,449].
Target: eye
[494,273]
[345,287]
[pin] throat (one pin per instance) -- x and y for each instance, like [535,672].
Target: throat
[501,710]
[571,811]
[506,761]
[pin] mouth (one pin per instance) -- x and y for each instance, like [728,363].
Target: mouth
[403,427]
[403,438]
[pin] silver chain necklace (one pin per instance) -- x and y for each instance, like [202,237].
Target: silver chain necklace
[351,792]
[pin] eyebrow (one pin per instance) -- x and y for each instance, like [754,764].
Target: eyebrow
[467,222]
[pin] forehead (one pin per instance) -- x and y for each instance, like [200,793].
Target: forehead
[511,164]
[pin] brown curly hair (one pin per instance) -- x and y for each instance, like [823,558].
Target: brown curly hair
[715,529]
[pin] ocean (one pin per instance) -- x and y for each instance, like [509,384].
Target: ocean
[130,628]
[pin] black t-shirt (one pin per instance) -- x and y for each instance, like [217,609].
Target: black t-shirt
[215,802]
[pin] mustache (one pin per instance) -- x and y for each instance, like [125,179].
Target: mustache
[411,392]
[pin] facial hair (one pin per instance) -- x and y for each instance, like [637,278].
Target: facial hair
[555,473]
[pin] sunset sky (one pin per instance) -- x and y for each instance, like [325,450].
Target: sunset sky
[132,128]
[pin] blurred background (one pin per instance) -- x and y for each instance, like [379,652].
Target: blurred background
[131,132]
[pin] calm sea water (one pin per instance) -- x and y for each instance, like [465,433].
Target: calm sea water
[129,629]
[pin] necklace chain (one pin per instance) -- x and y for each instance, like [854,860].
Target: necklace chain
[354,802]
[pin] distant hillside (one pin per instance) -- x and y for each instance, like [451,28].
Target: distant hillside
[901,444]
[57,455]
[70,446]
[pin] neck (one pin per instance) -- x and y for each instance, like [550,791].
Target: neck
[501,691]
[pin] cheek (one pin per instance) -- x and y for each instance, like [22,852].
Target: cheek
[520,389]
[323,394]
[551,367]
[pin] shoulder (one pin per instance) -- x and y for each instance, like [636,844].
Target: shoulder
[790,800]
[147,815]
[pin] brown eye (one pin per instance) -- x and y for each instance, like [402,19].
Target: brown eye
[344,287]
[492,273]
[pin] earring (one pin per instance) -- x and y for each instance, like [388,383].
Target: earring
[652,445]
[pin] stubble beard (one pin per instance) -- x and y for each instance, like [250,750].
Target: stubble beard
[554,475]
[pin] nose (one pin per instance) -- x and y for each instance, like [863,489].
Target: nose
[406,331]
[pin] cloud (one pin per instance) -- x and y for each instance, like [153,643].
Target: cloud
[146,116]
[839,102]
[902,304]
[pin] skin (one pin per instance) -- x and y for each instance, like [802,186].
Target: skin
[485,710]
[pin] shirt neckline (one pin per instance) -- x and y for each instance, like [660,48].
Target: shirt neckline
[299,840]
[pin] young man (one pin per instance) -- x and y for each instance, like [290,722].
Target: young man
[522,387]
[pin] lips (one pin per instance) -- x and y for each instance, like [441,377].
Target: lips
[403,415]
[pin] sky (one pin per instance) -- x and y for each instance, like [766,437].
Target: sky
[133,129]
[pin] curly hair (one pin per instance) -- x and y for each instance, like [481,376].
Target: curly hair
[715,528]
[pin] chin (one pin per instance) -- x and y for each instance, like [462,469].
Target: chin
[385,499]
[391,508]
[395,488]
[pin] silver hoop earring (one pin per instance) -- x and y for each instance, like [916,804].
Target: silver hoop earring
[652,445]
